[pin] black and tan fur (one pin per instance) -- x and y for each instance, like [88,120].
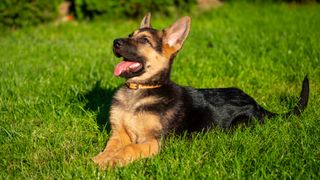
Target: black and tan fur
[156,106]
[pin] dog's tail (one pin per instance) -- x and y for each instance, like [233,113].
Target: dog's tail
[303,99]
[300,106]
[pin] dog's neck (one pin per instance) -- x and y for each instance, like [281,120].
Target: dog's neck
[156,81]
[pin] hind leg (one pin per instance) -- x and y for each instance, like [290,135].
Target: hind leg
[246,116]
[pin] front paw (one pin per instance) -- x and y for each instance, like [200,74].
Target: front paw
[105,161]
[115,161]
[98,159]
[101,159]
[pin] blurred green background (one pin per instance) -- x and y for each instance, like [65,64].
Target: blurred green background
[19,13]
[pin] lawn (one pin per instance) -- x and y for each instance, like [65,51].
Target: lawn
[56,84]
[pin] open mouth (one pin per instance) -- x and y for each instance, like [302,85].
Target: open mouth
[128,68]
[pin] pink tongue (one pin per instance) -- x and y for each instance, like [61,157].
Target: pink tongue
[125,66]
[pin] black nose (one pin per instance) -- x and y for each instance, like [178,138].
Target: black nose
[117,43]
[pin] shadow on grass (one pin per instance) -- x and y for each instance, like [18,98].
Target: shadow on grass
[99,100]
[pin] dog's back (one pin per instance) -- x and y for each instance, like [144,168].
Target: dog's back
[226,107]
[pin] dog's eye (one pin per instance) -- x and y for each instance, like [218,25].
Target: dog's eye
[143,40]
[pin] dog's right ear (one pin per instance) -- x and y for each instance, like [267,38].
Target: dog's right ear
[175,35]
[146,21]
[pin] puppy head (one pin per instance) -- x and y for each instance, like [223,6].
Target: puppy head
[148,53]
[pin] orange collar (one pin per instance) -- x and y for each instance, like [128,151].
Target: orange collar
[136,86]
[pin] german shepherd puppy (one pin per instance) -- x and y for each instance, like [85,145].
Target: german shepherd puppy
[150,106]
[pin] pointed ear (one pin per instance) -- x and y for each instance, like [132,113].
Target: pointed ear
[146,21]
[175,35]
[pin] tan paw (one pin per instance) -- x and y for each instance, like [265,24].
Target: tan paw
[118,161]
[101,158]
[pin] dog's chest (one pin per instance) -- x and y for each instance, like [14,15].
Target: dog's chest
[125,114]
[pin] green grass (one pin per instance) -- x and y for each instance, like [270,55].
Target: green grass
[56,84]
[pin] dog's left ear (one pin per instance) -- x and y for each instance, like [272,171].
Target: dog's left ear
[146,21]
[175,35]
